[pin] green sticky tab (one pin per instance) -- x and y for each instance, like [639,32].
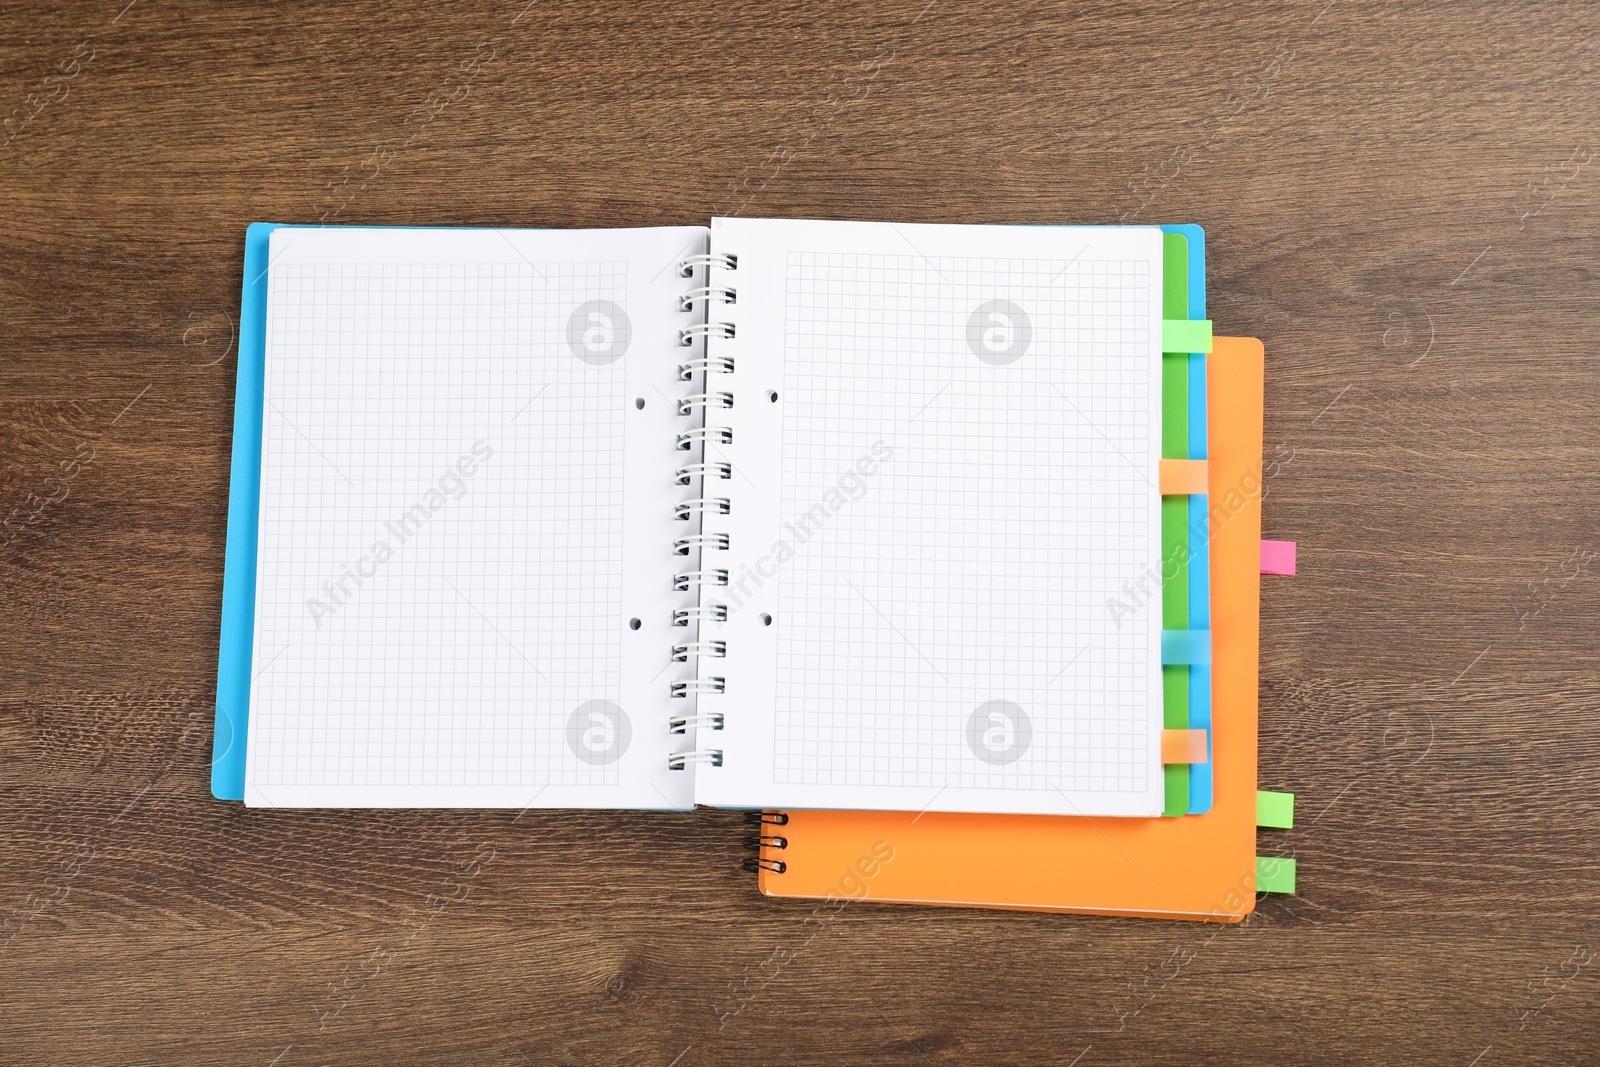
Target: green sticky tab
[1274,874]
[1191,336]
[1275,810]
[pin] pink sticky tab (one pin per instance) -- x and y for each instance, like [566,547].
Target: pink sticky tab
[1277,557]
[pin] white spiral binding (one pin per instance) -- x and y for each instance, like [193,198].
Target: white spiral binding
[687,335]
[689,264]
[703,365]
[715,649]
[679,724]
[713,613]
[690,471]
[699,685]
[721,399]
[718,541]
[700,467]
[679,760]
[717,505]
[683,581]
[708,293]
[723,435]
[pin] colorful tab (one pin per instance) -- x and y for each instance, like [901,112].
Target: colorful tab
[1185,746]
[1274,874]
[1277,557]
[1186,335]
[1273,810]
[1181,477]
[1186,646]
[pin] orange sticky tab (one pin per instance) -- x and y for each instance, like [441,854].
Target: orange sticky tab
[1183,476]
[1183,746]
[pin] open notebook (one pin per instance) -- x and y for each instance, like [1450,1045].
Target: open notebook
[770,514]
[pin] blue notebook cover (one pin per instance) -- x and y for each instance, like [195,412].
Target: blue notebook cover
[244,505]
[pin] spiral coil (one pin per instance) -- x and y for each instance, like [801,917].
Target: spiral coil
[704,365]
[712,649]
[719,505]
[768,841]
[687,404]
[708,293]
[689,471]
[700,574]
[689,264]
[721,435]
[687,335]
[679,760]
[762,863]
[713,613]
[764,842]
[682,689]
[683,581]
[718,541]
[681,724]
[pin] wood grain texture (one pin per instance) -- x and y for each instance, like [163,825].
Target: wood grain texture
[1400,201]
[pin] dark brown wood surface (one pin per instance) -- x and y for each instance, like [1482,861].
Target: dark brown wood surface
[1402,201]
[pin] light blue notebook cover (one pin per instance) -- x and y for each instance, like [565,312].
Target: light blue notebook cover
[244,505]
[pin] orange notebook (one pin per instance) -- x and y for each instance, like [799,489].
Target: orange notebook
[1192,867]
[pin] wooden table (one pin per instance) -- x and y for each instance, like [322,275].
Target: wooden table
[1403,202]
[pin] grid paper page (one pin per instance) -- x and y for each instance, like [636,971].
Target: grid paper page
[967,478]
[440,585]
[967,530]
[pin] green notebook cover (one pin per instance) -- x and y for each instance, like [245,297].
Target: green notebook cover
[1175,511]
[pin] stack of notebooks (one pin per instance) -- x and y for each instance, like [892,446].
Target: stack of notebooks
[938,546]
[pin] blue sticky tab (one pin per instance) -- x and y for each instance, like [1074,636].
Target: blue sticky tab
[244,502]
[1185,646]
